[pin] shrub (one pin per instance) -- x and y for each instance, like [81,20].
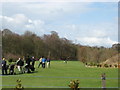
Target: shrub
[95,64]
[98,65]
[19,85]
[106,65]
[110,65]
[91,64]
[115,65]
[74,84]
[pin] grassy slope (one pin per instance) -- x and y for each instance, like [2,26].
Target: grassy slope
[56,76]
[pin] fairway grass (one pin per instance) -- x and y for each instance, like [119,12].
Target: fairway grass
[60,74]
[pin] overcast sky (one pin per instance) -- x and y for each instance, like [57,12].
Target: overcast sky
[87,23]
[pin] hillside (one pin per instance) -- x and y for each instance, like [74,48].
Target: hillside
[113,60]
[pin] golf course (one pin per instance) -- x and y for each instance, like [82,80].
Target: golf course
[60,74]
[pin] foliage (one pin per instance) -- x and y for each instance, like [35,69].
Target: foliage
[19,85]
[116,65]
[15,46]
[74,84]
[110,65]
[95,54]
[106,65]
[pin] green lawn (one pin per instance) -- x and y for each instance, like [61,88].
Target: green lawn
[60,74]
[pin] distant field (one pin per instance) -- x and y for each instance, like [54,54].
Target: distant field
[60,74]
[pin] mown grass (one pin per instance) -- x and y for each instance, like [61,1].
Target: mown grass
[60,74]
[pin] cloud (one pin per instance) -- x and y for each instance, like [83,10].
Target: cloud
[66,18]
[104,34]
[99,34]
[14,21]
[19,23]
[93,35]
[55,10]
[46,10]
[95,41]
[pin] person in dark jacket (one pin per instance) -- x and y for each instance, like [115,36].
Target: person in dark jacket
[20,64]
[33,61]
[28,60]
[11,69]
[4,67]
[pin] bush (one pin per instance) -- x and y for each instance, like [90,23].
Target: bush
[86,63]
[92,64]
[106,65]
[115,65]
[95,64]
[110,65]
[74,84]
[19,85]
[98,65]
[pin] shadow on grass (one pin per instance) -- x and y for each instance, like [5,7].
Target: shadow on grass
[19,73]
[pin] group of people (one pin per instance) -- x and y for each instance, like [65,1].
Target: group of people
[23,66]
[43,61]
[26,65]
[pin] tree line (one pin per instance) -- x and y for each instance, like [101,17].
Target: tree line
[52,46]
